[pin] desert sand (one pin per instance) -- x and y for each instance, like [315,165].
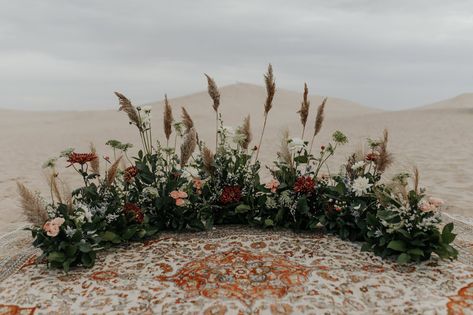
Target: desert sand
[436,138]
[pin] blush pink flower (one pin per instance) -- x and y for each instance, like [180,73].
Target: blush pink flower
[180,202]
[436,202]
[426,207]
[53,226]
[198,183]
[272,185]
[179,196]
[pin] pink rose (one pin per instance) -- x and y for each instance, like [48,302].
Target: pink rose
[58,221]
[272,185]
[179,197]
[178,194]
[180,202]
[52,227]
[425,206]
[436,202]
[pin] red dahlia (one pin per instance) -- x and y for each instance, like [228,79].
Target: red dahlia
[135,210]
[304,184]
[230,194]
[80,158]
[130,173]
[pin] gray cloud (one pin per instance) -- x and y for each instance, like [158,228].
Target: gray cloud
[389,54]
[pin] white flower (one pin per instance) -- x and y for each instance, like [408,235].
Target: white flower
[190,172]
[70,231]
[88,215]
[271,203]
[296,144]
[228,130]
[111,217]
[145,115]
[80,218]
[358,165]
[150,191]
[360,186]
[146,108]
[285,199]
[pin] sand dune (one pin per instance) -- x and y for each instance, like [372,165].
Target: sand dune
[462,101]
[436,138]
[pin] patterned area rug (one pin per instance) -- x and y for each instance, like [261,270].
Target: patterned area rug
[237,270]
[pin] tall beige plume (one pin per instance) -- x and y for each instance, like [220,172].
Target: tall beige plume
[32,206]
[188,146]
[167,118]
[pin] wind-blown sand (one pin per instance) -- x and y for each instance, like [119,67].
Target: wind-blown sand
[437,138]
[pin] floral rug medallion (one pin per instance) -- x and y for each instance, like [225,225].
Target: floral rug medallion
[240,274]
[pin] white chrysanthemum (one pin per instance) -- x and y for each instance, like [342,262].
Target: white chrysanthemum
[358,165]
[296,144]
[360,186]
[190,172]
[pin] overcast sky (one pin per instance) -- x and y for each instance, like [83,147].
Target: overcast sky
[387,54]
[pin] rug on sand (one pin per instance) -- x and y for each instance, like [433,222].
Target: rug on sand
[239,270]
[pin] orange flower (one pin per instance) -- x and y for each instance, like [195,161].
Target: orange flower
[81,158]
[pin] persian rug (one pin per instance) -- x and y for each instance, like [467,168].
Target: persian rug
[237,270]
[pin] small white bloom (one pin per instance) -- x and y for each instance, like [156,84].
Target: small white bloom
[296,144]
[88,215]
[111,217]
[150,191]
[70,231]
[80,218]
[227,131]
[146,108]
[271,203]
[358,165]
[360,186]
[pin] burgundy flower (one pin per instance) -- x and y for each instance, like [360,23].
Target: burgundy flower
[372,156]
[230,194]
[132,208]
[80,158]
[304,184]
[130,173]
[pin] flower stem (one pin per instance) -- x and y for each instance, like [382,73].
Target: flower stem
[261,138]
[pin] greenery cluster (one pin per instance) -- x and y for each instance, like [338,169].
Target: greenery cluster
[156,190]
